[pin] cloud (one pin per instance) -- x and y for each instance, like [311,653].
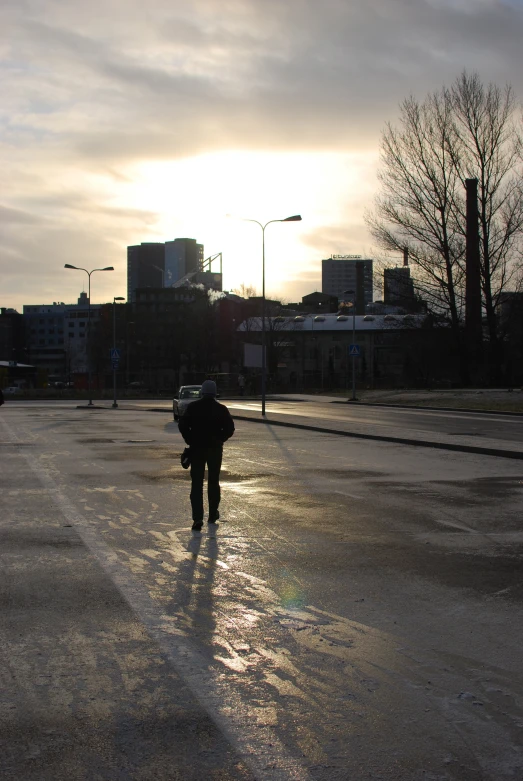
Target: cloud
[90,91]
[16,217]
[298,74]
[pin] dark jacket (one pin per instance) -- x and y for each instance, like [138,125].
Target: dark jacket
[206,423]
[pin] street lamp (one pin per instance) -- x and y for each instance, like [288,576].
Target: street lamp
[114,358]
[77,268]
[352,293]
[294,218]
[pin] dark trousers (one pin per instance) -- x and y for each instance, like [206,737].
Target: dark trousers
[200,458]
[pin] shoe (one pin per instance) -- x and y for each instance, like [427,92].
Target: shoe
[197,526]
[213,520]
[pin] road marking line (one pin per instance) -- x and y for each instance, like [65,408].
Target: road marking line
[351,496]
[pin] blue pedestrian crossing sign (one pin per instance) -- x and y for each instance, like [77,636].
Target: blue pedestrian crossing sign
[115,357]
[354,349]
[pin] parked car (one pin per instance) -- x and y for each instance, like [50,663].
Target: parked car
[186,394]
[11,390]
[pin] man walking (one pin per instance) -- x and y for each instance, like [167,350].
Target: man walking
[241,384]
[205,426]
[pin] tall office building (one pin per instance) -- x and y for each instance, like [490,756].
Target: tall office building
[338,274]
[145,266]
[182,257]
[398,287]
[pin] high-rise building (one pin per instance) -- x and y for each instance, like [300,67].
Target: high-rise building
[182,257]
[12,336]
[338,274]
[398,287]
[145,266]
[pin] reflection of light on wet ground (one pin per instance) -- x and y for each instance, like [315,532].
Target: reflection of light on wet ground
[242,488]
[290,593]
[236,664]
[292,596]
[250,618]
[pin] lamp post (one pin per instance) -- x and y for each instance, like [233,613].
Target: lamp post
[294,218]
[88,345]
[352,293]
[128,352]
[115,299]
[320,351]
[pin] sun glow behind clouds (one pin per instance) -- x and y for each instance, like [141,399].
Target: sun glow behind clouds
[193,196]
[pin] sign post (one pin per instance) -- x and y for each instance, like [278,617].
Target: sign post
[115,360]
[354,352]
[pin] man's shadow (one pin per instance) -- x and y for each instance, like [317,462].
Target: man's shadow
[193,600]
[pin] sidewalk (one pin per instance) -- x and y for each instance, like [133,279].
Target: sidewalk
[460,443]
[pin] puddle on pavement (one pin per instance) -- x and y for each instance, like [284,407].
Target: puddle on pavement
[95,441]
[462,493]
[174,473]
[17,444]
[177,473]
[501,487]
[359,474]
[137,451]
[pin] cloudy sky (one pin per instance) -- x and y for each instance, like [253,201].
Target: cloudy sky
[123,121]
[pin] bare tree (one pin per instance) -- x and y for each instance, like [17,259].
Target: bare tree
[245,291]
[486,147]
[467,131]
[419,202]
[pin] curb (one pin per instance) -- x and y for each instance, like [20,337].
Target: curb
[432,409]
[482,451]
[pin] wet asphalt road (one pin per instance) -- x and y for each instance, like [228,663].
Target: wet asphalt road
[358,615]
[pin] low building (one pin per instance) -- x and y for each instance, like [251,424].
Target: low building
[57,336]
[309,351]
[316,302]
[18,375]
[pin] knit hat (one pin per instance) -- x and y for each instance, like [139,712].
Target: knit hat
[209,388]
